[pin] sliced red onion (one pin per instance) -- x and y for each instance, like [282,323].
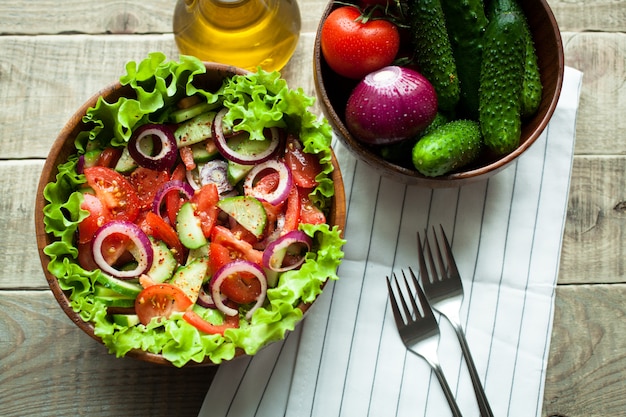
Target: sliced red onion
[166,156]
[193,178]
[236,267]
[180,186]
[216,172]
[280,193]
[293,243]
[220,142]
[205,299]
[141,249]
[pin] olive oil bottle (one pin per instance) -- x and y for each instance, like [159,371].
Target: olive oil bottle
[243,33]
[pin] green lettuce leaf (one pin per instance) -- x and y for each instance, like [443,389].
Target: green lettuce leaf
[255,101]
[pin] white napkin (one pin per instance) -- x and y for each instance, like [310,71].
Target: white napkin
[346,358]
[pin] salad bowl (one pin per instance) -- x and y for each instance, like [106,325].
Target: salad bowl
[184,336]
[334,92]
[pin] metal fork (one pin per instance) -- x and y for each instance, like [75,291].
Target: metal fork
[419,330]
[444,291]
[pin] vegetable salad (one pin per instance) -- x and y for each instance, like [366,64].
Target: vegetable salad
[192,223]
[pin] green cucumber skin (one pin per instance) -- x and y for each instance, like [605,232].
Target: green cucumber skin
[466,22]
[501,80]
[532,89]
[433,50]
[449,147]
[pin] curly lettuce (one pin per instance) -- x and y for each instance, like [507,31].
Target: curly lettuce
[255,101]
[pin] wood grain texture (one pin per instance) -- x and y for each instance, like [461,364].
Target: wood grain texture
[39,376]
[589,15]
[107,16]
[585,375]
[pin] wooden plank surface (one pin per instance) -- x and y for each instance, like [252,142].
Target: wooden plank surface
[41,85]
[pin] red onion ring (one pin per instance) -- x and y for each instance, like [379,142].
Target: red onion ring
[235,267]
[165,158]
[220,142]
[275,252]
[216,172]
[164,189]
[204,297]
[141,248]
[281,192]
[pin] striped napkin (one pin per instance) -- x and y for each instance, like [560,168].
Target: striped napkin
[346,358]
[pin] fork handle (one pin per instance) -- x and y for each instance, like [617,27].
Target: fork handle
[456,412]
[481,397]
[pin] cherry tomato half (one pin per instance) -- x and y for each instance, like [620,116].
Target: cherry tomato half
[354,47]
[147,182]
[98,215]
[160,300]
[193,318]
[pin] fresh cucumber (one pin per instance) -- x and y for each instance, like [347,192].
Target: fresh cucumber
[123,287]
[433,50]
[501,78]
[400,153]
[163,264]
[532,89]
[247,211]
[203,153]
[195,130]
[126,164]
[447,148]
[190,277]
[182,115]
[188,227]
[122,302]
[466,22]
[241,144]
[126,320]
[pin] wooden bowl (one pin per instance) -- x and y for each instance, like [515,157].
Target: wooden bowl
[333,92]
[63,147]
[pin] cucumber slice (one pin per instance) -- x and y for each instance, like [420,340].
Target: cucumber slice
[127,288]
[241,144]
[163,264]
[247,211]
[124,302]
[126,163]
[183,115]
[127,320]
[201,154]
[190,277]
[188,227]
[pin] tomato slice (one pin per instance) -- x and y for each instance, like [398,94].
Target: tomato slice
[241,288]
[159,229]
[160,300]
[98,215]
[219,255]
[238,248]
[173,200]
[309,212]
[193,318]
[205,200]
[304,166]
[147,182]
[114,191]
[292,211]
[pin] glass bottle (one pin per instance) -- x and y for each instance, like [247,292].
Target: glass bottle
[243,33]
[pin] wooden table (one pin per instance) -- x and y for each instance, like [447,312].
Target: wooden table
[57,54]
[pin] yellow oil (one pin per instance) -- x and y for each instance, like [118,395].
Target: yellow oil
[243,33]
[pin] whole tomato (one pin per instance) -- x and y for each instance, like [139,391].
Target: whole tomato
[354,46]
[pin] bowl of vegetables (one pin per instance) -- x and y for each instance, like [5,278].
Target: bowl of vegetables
[190,213]
[438,93]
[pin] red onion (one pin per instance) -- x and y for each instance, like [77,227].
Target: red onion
[141,249]
[240,158]
[291,242]
[390,105]
[166,156]
[164,189]
[280,193]
[216,172]
[204,297]
[235,267]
